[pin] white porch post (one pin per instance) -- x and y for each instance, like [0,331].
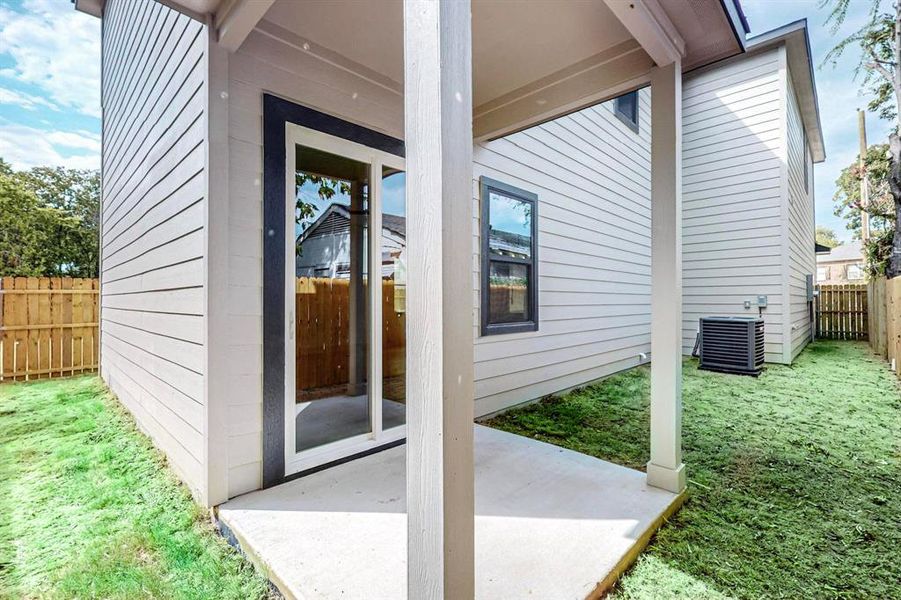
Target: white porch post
[438,138]
[665,469]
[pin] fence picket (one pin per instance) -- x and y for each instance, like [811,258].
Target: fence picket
[841,312]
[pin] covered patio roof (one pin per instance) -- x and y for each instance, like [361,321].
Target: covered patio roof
[532,60]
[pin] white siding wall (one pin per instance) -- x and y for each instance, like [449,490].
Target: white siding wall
[594,239]
[801,232]
[733,193]
[153,215]
[592,177]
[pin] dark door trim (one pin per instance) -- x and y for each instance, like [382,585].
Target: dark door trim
[276,113]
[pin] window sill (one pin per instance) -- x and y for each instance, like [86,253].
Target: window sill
[502,328]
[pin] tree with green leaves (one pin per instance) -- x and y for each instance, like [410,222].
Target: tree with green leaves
[879,42]
[826,236]
[49,222]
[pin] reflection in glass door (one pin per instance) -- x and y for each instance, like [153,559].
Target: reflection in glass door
[342,398]
[331,224]
[394,297]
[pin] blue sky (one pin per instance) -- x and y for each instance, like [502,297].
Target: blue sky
[50,87]
[836,89]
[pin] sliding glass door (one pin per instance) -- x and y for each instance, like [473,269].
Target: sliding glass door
[345,299]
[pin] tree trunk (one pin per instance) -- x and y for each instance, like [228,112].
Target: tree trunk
[894,265]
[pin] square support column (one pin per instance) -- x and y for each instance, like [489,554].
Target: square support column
[665,469]
[438,140]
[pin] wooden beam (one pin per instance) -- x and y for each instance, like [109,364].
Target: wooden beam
[648,23]
[438,137]
[665,469]
[235,20]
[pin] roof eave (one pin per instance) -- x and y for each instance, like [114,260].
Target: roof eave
[91,7]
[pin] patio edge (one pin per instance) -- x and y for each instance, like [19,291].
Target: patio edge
[237,541]
[629,558]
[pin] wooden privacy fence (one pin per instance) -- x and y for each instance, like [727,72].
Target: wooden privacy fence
[48,327]
[841,312]
[322,347]
[885,319]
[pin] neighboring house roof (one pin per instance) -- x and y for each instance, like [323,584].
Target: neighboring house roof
[820,248]
[800,65]
[843,253]
[337,216]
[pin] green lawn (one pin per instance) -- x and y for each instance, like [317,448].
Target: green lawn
[794,477]
[87,509]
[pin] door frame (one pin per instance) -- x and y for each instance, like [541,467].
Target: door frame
[296,462]
[276,113]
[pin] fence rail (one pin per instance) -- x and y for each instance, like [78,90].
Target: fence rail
[842,312]
[48,327]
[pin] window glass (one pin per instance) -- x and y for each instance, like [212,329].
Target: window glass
[394,298]
[331,300]
[508,292]
[510,226]
[509,272]
[626,107]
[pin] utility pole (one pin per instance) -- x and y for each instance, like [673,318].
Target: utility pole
[864,190]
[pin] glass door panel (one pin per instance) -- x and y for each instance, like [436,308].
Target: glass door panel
[394,306]
[331,298]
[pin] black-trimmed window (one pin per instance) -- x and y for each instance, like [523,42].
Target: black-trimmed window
[626,108]
[509,290]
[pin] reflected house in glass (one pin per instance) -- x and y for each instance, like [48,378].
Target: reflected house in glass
[323,247]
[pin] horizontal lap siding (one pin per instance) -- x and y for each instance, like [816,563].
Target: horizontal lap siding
[153,215]
[732,195]
[592,177]
[802,257]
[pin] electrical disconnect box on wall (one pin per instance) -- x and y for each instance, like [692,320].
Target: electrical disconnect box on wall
[761,302]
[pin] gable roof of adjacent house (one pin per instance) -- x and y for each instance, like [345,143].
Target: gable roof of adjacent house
[800,65]
[845,252]
[337,218]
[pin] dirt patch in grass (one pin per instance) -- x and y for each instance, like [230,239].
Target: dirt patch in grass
[795,477]
[88,508]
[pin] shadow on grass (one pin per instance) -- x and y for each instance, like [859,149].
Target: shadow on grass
[794,476]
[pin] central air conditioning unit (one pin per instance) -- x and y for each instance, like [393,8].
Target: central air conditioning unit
[732,345]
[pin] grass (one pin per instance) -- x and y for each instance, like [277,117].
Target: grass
[794,477]
[88,509]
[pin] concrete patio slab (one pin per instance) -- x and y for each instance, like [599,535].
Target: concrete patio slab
[550,524]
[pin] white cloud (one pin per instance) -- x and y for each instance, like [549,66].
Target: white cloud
[25,101]
[56,49]
[26,147]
